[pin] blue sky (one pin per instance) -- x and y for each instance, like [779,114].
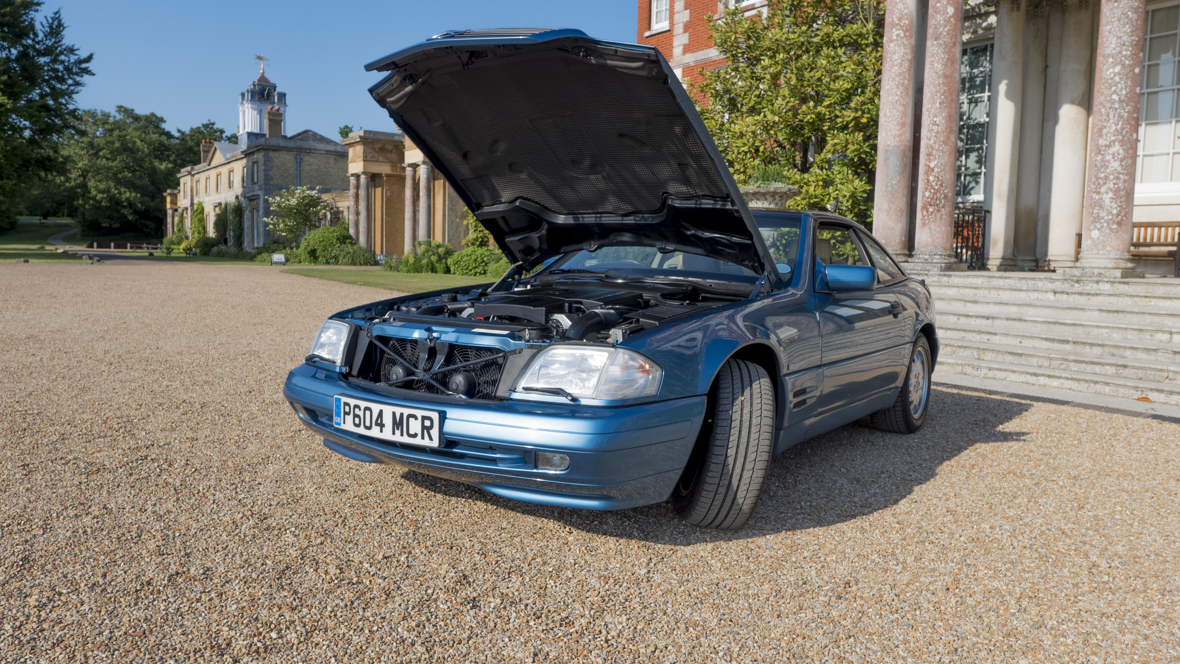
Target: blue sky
[187,61]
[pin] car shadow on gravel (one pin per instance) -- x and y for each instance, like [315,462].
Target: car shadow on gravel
[837,477]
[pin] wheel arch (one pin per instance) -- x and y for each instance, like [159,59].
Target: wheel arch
[762,354]
[931,338]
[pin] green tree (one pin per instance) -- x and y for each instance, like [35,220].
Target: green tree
[345,130]
[117,169]
[187,146]
[800,91]
[39,76]
[197,227]
[221,223]
[296,211]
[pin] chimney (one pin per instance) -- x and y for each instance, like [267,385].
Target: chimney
[206,150]
[274,122]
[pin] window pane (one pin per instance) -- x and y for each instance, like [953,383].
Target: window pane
[1159,106]
[973,159]
[1155,168]
[834,246]
[1176,168]
[1161,75]
[1164,20]
[887,270]
[1157,137]
[1159,48]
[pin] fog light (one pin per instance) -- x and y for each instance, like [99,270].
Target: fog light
[552,462]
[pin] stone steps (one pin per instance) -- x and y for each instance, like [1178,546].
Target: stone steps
[1126,388]
[1116,337]
[1045,322]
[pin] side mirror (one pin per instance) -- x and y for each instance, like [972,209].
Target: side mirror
[844,278]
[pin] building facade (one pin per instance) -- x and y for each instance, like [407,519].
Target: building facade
[263,163]
[1049,115]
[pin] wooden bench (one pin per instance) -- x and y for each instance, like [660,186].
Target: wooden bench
[1157,239]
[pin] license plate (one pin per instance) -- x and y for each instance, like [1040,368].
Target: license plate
[411,426]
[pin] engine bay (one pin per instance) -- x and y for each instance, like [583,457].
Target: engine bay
[586,310]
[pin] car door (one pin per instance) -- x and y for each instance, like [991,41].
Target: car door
[858,331]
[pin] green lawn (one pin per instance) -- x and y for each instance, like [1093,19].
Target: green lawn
[181,258]
[394,281]
[22,242]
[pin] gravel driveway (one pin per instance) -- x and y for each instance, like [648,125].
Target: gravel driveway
[160,503]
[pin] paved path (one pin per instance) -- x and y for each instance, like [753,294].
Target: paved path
[161,502]
[60,239]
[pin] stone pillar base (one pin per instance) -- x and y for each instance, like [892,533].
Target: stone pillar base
[915,266]
[1103,265]
[1003,265]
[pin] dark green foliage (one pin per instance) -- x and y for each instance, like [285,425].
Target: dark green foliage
[498,268]
[276,247]
[39,76]
[317,244]
[800,93]
[296,211]
[428,256]
[236,228]
[345,130]
[203,245]
[350,254]
[186,149]
[221,223]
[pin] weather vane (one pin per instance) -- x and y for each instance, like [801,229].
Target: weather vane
[262,66]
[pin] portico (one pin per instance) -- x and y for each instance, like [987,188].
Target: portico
[1034,112]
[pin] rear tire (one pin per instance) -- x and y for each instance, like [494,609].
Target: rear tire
[908,412]
[724,477]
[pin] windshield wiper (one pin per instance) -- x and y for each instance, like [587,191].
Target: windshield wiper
[557,391]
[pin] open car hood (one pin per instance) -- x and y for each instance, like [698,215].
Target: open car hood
[559,142]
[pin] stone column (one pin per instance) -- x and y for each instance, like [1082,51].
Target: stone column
[363,224]
[1110,173]
[935,222]
[1069,142]
[1007,89]
[1049,128]
[171,226]
[895,129]
[1032,111]
[353,204]
[410,217]
[424,185]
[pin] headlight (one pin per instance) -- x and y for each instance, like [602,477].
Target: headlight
[593,372]
[330,340]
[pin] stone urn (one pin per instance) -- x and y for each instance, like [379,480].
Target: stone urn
[769,198]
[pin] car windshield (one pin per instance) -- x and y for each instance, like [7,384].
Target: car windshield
[780,231]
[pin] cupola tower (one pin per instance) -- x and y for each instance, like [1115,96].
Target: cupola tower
[253,104]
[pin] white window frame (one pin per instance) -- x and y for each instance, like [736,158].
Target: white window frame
[985,97]
[1155,188]
[660,26]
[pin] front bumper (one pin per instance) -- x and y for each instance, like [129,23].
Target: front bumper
[619,457]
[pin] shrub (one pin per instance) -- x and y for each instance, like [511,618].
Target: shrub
[318,244]
[221,222]
[350,254]
[472,261]
[275,247]
[391,264]
[226,251]
[198,221]
[429,256]
[477,235]
[296,211]
[203,245]
[188,246]
[499,267]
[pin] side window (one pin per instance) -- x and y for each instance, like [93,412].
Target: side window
[887,270]
[834,246]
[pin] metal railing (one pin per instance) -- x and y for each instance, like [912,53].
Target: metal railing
[970,222]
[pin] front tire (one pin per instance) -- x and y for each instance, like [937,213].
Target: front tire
[724,477]
[908,412]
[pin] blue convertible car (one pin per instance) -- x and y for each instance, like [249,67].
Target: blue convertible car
[655,340]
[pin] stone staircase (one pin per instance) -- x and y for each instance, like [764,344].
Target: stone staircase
[1117,337]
